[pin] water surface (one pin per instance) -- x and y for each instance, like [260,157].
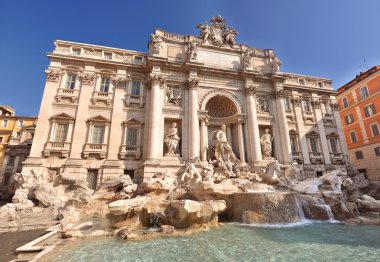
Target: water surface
[313,242]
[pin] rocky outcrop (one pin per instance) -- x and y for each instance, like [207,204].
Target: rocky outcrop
[315,208]
[158,184]
[207,190]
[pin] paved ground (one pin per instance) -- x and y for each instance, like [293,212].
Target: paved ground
[9,241]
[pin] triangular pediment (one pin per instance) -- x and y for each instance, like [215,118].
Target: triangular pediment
[62,116]
[313,133]
[133,121]
[98,118]
[293,132]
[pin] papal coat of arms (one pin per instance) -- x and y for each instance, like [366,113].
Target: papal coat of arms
[217,32]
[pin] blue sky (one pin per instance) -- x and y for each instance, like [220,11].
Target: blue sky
[327,38]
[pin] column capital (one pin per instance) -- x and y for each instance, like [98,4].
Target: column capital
[281,94]
[154,80]
[53,75]
[119,81]
[250,90]
[296,101]
[240,121]
[334,106]
[204,119]
[192,83]
[316,103]
[87,78]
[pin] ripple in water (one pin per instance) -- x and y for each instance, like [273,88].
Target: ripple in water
[315,242]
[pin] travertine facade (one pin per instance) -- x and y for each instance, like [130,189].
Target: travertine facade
[108,111]
[359,105]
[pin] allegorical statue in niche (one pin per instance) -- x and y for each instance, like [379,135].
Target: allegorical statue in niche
[172,140]
[266,144]
[223,150]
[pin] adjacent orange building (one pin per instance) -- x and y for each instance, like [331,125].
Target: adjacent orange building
[359,106]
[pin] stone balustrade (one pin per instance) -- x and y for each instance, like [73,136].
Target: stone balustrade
[62,148]
[71,94]
[130,150]
[102,96]
[98,149]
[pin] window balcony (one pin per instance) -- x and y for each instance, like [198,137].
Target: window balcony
[105,97]
[337,158]
[57,147]
[316,157]
[131,151]
[95,149]
[297,156]
[64,93]
[133,99]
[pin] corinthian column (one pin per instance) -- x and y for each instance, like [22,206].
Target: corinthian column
[192,85]
[253,127]
[283,124]
[241,140]
[154,82]
[204,144]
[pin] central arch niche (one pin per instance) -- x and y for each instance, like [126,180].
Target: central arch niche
[221,107]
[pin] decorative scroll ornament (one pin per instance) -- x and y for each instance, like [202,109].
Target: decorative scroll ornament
[154,80]
[192,51]
[250,90]
[87,79]
[296,101]
[217,32]
[192,83]
[204,119]
[53,75]
[316,103]
[155,41]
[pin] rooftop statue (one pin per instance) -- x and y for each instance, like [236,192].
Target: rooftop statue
[217,33]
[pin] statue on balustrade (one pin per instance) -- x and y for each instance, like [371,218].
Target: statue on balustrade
[172,141]
[266,144]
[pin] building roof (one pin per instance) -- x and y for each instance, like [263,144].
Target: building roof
[9,109]
[362,76]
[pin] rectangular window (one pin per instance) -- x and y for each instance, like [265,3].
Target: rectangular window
[97,135]
[108,56]
[302,82]
[60,132]
[20,123]
[138,60]
[70,81]
[353,137]
[377,151]
[293,144]
[1,139]
[287,105]
[369,110]
[334,145]
[132,136]
[5,123]
[92,178]
[306,106]
[136,88]
[314,145]
[104,84]
[363,92]
[359,155]
[345,102]
[18,134]
[76,51]
[375,129]
[348,119]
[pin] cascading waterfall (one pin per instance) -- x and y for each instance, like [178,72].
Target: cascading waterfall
[328,212]
[267,208]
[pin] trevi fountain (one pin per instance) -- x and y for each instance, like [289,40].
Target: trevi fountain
[219,206]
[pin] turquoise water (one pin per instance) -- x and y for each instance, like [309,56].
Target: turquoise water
[314,242]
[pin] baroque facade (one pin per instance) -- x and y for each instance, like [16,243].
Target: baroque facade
[108,111]
[359,104]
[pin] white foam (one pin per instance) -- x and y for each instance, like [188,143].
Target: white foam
[304,222]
